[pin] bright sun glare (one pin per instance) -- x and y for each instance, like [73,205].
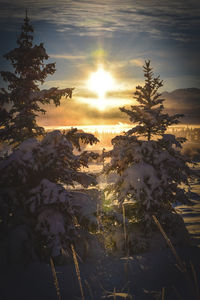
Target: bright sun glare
[101,82]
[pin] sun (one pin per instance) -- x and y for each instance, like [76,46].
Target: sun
[101,82]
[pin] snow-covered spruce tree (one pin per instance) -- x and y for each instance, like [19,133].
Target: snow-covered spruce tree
[41,214]
[151,169]
[21,102]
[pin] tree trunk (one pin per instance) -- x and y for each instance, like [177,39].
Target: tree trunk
[149,135]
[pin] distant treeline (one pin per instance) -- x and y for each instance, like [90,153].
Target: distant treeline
[191,134]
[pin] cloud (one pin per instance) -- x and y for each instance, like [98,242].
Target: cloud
[75,113]
[137,62]
[122,34]
[67,56]
[185,101]
[160,19]
[121,94]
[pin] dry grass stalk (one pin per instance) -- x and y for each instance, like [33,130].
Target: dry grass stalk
[181,265]
[64,252]
[177,293]
[126,270]
[77,270]
[179,261]
[121,295]
[163,293]
[195,281]
[124,224]
[55,279]
[98,217]
[75,221]
[90,290]
[114,293]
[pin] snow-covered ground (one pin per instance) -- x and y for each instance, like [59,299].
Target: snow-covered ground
[191,214]
[144,276]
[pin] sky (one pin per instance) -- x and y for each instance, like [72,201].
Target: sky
[114,35]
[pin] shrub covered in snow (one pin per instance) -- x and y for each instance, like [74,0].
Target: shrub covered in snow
[152,172]
[36,194]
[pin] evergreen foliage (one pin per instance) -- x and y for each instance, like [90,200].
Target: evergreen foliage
[21,102]
[41,210]
[150,172]
[148,114]
[39,207]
